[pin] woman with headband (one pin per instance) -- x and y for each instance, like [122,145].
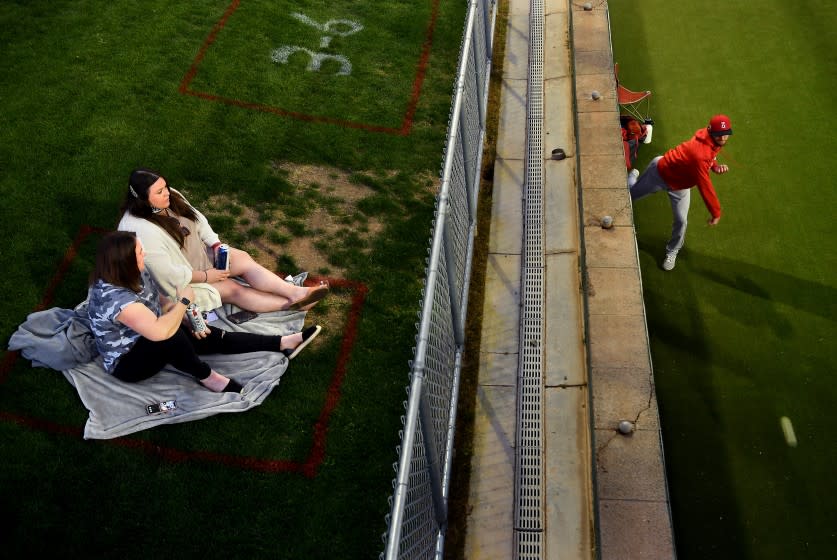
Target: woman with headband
[180,246]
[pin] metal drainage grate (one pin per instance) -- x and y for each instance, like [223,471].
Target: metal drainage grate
[529,460]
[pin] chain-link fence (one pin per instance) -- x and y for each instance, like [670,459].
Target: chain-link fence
[418,515]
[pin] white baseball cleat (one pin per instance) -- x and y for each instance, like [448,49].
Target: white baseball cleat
[668,262]
[633,175]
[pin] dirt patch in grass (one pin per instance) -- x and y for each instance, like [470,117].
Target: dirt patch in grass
[319,215]
[298,236]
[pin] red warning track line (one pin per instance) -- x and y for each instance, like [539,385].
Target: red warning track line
[315,458]
[421,71]
[295,115]
[190,75]
[407,122]
[69,256]
[6,365]
[40,424]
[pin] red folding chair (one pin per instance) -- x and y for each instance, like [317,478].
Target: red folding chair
[636,103]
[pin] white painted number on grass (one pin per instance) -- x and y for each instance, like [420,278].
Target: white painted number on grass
[332,26]
[339,27]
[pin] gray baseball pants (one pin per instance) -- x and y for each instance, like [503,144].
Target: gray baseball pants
[649,183]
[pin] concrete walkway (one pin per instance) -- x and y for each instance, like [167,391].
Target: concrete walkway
[602,494]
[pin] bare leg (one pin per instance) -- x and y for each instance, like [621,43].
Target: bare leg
[242,264]
[290,341]
[293,344]
[250,298]
[215,382]
[263,280]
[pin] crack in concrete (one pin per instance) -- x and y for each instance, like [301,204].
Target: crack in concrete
[635,421]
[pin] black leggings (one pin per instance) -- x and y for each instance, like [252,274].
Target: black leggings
[147,357]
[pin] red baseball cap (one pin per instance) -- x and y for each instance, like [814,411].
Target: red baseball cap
[719,125]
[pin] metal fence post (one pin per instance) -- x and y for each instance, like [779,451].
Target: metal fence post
[470,172]
[428,434]
[419,509]
[455,299]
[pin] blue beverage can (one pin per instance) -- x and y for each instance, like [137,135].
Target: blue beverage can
[222,257]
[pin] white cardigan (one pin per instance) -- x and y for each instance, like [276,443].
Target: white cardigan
[167,263]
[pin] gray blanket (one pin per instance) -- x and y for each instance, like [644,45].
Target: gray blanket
[60,339]
[56,338]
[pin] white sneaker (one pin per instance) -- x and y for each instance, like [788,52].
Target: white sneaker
[633,175]
[668,262]
[649,131]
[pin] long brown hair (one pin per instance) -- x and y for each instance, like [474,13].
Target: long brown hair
[136,203]
[116,261]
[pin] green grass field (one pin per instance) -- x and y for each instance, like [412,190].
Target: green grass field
[743,330]
[313,169]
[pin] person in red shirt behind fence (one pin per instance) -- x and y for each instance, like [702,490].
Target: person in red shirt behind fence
[681,168]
